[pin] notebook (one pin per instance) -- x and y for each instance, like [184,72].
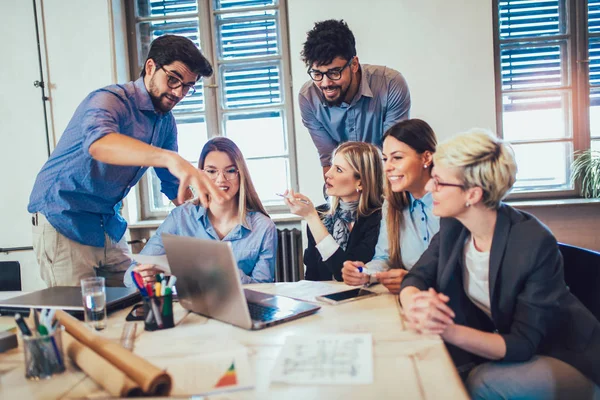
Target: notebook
[67,298]
[208,283]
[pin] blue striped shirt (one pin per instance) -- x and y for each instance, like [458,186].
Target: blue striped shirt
[81,196]
[254,243]
[419,226]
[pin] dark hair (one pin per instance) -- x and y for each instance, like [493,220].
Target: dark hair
[414,132]
[167,49]
[417,134]
[326,41]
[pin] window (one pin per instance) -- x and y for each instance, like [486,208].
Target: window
[248,97]
[548,90]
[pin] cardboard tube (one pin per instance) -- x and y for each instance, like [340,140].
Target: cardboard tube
[151,379]
[112,379]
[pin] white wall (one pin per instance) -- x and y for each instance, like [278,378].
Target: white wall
[78,57]
[443,48]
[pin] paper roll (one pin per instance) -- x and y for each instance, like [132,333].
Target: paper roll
[112,379]
[149,377]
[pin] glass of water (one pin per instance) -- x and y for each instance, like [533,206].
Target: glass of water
[93,294]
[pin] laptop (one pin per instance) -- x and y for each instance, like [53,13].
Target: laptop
[208,283]
[67,298]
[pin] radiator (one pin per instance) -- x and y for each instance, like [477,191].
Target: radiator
[289,267]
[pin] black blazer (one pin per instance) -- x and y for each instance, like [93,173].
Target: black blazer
[361,247]
[531,306]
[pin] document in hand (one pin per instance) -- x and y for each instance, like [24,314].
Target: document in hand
[159,262]
[340,359]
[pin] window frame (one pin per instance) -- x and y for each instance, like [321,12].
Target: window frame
[214,108]
[576,36]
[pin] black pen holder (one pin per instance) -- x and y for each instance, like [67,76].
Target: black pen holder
[158,313]
[44,355]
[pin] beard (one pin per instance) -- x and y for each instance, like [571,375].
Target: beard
[162,102]
[340,98]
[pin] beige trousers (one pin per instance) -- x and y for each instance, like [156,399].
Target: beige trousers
[64,262]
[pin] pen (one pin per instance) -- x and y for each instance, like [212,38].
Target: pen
[51,325]
[36,318]
[293,198]
[156,314]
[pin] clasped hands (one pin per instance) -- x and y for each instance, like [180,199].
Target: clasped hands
[428,313]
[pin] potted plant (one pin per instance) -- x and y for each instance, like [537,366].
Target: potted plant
[586,170]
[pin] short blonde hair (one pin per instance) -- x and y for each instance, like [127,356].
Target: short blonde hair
[483,160]
[365,161]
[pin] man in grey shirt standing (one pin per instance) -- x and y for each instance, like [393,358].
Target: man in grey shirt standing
[344,100]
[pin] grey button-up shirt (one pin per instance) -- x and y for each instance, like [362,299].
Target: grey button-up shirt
[382,100]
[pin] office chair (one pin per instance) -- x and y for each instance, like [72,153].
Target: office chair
[10,275]
[582,275]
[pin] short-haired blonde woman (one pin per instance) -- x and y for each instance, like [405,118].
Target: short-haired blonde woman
[240,220]
[348,228]
[491,284]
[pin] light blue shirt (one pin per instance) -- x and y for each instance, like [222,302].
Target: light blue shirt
[254,243]
[418,228]
[382,100]
[81,196]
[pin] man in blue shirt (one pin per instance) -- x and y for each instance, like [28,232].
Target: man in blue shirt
[344,100]
[116,133]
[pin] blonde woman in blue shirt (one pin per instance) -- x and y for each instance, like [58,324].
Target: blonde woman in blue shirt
[241,219]
[408,223]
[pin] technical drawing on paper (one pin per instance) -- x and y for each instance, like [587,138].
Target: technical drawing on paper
[328,359]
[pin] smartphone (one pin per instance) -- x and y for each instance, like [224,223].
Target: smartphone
[136,313]
[346,296]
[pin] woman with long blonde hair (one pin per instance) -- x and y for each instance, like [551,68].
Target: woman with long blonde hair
[240,219]
[348,226]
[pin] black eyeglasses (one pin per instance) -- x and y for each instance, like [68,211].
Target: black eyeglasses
[175,83]
[437,184]
[334,73]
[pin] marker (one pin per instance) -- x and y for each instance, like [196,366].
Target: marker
[22,325]
[292,198]
[172,281]
[139,282]
[360,269]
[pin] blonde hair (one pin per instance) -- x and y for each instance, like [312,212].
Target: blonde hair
[483,161]
[365,161]
[417,134]
[248,199]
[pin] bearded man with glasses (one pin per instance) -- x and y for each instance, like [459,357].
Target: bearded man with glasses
[115,134]
[344,100]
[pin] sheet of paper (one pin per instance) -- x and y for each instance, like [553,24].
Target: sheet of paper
[159,261]
[223,369]
[340,359]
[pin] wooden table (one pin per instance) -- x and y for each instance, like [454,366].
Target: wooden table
[406,365]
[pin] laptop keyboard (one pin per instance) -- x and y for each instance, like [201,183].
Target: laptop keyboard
[259,312]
